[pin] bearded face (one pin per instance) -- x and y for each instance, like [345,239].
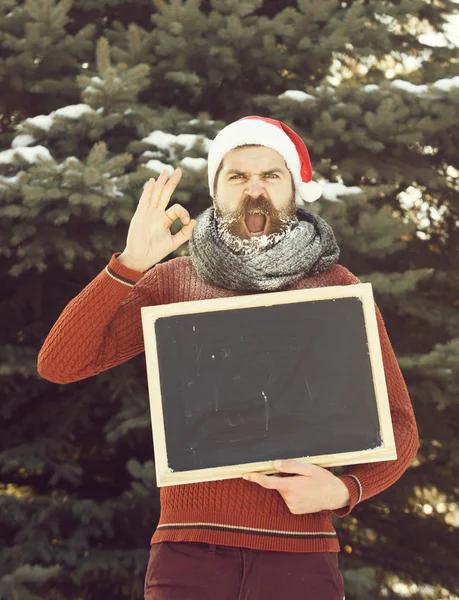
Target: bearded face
[254,199]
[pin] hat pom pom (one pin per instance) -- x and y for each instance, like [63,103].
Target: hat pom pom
[310,191]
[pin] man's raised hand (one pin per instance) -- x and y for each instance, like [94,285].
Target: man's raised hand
[149,238]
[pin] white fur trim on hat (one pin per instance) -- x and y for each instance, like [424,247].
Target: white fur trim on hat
[254,131]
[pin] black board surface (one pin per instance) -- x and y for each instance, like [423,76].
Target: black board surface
[268,382]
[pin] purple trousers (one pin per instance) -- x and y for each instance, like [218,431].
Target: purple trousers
[195,571]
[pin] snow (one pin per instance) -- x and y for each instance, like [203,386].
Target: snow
[296,95]
[385,19]
[160,139]
[452,29]
[371,87]
[40,121]
[45,122]
[166,141]
[167,144]
[446,85]
[73,111]
[21,140]
[333,191]
[434,39]
[411,88]
[158,166]
[443,85]
[28,154]
[199,122]
[11,180]
[449,36]
[194,164]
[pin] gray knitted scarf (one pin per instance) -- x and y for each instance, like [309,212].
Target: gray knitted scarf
[308,248]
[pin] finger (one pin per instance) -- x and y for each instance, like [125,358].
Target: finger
[295,467]
[159,186]
[178,212]
[183,235]
[146,193]
[270,483]
[169,188]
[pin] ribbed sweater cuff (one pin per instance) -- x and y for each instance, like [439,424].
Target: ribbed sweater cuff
[355,491]
[121,273]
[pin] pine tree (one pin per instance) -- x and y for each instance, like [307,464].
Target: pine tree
[98,97]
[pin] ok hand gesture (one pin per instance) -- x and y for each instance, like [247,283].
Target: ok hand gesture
[149,238]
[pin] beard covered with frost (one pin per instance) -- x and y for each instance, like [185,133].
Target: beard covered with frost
[233,231]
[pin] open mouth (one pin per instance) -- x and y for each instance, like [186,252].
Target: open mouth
[256,223]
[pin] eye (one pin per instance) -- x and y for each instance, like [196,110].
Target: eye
[272,175]
[238,176]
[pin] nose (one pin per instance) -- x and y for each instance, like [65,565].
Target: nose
[254,188]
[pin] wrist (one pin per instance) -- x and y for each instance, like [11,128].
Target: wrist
[342,497]
[126,261]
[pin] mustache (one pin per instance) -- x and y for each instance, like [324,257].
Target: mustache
[259,204]
[233,222]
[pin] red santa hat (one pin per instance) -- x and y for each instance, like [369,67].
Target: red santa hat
[273,134]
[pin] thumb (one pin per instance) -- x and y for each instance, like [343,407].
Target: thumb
[184,234]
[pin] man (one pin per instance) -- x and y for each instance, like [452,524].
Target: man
[256,537]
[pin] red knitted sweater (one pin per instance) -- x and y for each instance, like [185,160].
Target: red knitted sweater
[101,328]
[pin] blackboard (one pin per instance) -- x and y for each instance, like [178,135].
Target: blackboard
[237,383]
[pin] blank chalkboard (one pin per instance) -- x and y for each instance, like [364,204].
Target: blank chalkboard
[239,382]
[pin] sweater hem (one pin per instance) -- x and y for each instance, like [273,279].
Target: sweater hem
[282,532]
[208,535]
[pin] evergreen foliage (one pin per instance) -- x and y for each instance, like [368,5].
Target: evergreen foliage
[96,97]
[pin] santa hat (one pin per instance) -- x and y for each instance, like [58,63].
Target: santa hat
[273,134]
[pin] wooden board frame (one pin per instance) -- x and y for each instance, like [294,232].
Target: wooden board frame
[150,314]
